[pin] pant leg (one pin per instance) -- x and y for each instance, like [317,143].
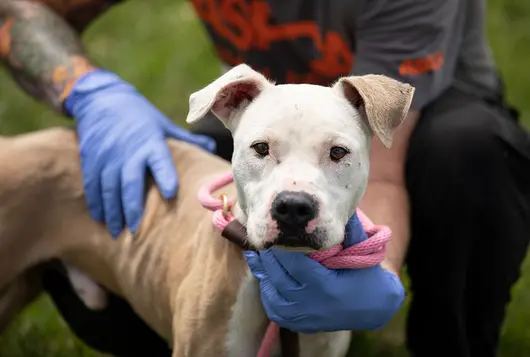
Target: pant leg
[467,174]
[496,265]
[117,329]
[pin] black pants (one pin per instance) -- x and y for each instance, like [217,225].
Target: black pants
[468,175]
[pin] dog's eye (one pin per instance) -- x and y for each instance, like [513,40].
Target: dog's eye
[261,148]
[336,153]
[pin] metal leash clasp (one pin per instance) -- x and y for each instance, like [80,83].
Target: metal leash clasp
[226,205]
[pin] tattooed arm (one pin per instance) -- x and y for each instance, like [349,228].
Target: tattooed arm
[121,134]
[39,44]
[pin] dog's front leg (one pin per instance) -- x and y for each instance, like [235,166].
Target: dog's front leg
[18,294]
[249,321]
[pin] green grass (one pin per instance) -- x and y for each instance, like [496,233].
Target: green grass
[160,47]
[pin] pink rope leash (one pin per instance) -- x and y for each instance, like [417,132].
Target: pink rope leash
[219,219]
[365,254]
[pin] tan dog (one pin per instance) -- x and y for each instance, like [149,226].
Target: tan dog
[188,283]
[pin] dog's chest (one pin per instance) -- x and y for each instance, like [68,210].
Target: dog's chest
[248,323]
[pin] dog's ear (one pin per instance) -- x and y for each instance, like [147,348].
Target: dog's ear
[385,101]
[228,96]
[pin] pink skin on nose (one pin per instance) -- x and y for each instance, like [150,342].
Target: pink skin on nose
[311,226]
[272,232]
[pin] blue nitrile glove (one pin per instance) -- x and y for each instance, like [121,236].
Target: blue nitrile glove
[304,296]
[121,136]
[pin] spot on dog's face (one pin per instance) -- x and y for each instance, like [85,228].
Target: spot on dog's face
[301,166]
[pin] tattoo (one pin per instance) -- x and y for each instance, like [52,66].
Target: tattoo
[42,52]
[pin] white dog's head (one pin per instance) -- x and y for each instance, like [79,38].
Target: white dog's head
[301,152]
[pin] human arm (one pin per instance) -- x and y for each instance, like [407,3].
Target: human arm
[386,199]
[41,49]
[121,134]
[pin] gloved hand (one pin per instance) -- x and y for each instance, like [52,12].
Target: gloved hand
[304,296]
[121,136]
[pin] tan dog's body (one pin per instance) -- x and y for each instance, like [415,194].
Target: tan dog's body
[179,274]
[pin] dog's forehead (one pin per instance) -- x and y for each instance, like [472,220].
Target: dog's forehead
[300,107]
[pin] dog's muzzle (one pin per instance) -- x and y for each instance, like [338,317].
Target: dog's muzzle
[292,212]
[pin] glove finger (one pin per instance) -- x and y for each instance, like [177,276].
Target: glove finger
[160,161]
[206,142]
[92,187]
[133,188]
[110,191]
[301,268]
[277,273]
[354,232]
[254,263]
[203,141]
[267,288]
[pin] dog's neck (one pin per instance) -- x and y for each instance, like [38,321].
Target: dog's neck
[239,214]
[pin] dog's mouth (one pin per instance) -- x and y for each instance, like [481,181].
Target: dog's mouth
[296,241]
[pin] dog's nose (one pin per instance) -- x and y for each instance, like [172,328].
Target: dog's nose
[294,209]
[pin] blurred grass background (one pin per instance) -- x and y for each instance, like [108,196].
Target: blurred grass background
[161,48]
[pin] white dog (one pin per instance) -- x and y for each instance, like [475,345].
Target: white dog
[300,165]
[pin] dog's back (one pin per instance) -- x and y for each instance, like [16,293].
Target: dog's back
[177,265]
